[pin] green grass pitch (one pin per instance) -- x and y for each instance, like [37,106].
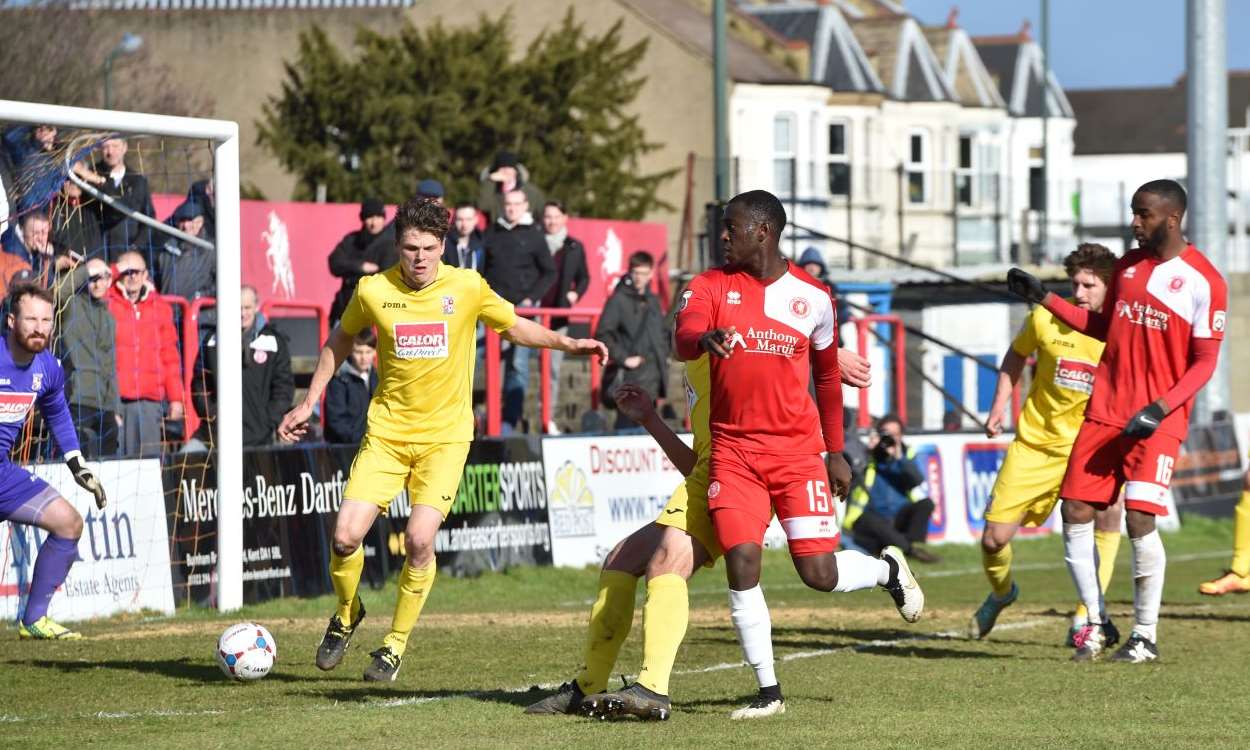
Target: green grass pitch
[854,674]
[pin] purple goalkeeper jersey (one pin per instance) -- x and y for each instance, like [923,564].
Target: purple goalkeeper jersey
[41,382]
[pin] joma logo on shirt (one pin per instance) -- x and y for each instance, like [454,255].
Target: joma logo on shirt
[421,340]
[13,407]
[394,305]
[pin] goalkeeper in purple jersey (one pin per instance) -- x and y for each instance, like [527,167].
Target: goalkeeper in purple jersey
[30,376]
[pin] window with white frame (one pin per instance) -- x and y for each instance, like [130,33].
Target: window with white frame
[965,170]
[839,153]
[784,143]
[918,166]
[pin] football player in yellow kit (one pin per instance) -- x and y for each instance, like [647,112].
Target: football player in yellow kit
[420,420]
[1028,481]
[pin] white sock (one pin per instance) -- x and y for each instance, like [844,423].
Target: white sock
[1149,562]
[1081,555]
[858,571]
[749,613]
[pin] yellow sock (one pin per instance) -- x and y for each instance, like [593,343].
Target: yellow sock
[414,589]
[1241,536]
[998,569]
[345,576]
[1108,544]
[664,620]
[610,619]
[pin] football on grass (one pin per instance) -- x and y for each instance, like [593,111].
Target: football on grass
[246,651]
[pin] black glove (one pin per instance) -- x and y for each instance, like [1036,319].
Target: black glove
[86,479]
[1024,284]
[1145,422]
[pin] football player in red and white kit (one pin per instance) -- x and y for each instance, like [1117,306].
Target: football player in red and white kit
[1163,325]
[768,325]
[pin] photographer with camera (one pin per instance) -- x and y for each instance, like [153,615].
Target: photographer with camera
[889,507]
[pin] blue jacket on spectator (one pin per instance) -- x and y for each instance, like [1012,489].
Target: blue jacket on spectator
[347,403]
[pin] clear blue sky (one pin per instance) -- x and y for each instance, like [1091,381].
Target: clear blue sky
[1099,43]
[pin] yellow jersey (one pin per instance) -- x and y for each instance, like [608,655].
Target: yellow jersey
[698,389]
[1062,383]
[427,344]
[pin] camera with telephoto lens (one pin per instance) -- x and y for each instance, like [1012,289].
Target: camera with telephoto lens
[881,451]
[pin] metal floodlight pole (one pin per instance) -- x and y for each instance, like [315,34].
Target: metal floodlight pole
[129,44]
[1206,120]
[720,99]
[225,136]
[1043,233]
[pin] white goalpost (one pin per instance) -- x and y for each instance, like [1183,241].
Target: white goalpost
[224,136]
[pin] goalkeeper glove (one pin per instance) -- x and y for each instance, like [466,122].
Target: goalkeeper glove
[86,479]
[1145,422]
[1024,284]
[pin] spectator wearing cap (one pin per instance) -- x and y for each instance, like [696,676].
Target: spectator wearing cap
[183,268]
[360,253]
[87,333]
[505,174]
[432,189]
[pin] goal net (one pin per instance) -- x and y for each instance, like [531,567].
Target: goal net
[132,221]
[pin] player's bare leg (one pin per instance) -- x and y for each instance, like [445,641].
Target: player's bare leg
[347,560]
[1107,522]
[1149,563]
[611,617]
[665,618]
[849,570]
[415,581]
[749,613]
[58,552]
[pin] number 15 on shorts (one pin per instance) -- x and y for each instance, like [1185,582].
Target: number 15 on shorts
[817,497]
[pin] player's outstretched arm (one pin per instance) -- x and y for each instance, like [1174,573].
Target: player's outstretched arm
[335,351]
[1009,373]
[634,402]
[1026,286]
[526,332]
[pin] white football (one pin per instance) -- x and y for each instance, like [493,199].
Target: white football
[246,651]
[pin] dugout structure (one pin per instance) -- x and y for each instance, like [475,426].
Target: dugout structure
[223,137]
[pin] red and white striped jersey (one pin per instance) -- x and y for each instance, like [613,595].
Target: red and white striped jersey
[1158,308]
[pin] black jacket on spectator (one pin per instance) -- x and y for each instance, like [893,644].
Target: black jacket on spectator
[118,230]
[354,249]
[571,276]
[268,385]
[633,325]
[77,227]
[186,270]
[518,265]
[475,254]
[347,404]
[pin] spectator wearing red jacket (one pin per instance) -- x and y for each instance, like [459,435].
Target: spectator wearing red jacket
[149,369]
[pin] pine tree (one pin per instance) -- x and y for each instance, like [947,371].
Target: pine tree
[439,102]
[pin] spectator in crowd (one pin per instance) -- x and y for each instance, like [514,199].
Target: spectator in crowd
[268,385]
[572,278]
[463,247]
[519,268]
[77,227]
[349,391]
[813,262]
[87,333]
[119,231]
[23,142]
[12,271]
[432,189]
[149,369]
[30,239]
[361,253]
[203,193]
[186,269]
[632,327]
[889,508]
[506,173]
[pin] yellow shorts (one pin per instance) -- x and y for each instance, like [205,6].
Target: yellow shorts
[431,470]
[1027,487]
[687,510]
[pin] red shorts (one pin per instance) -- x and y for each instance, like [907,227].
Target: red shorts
[1103,460]
[747,488]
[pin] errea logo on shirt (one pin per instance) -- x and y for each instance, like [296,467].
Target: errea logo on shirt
[14,406]
[421,340]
